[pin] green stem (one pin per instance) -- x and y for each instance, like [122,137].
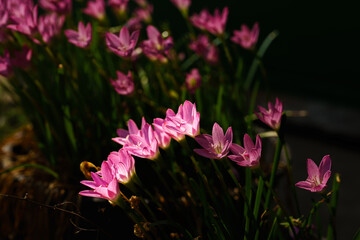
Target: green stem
[34,165]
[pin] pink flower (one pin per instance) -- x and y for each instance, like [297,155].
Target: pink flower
[4,14]
[205,49]
[185,122]
[5,66]
[22,58]
[144,13]
[82,38]
[119,5]
[182,5]
[317,176]
[59,6]
[106,186]
[122,165]
[214,24]
[162,137]
[245,37]
[216,146]
[124,85]
[95,9]
[25,19]
[133,24]
[50,25]
[193,80]
[123,45]
[156,48]
[141,143]
[249,155]
[271,117]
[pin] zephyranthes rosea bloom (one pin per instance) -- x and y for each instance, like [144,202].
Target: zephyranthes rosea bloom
[59,6]
[216,146]
[245,37]
[25,19]
[5,66]
[124,44]
[82,38]
[317,176]
[271,117]
[156,48]
[193,80]
[162,137]
[215,24]
[141,143]
[104,184]
[95,9]
[123,84]
[50,25]
[122,165]
[249,155]
[204,48]
[21,58]
[182,5]
[185,122]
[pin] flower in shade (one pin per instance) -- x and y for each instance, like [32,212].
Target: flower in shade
[104,184]
[4,14]
[25,19]
[122,165]
[5,66]
[245,37]
[119,5]
[182,5]
[59,6]
[249,155]
[144,13]
[123,84]
[141,143]
[216,146]
[161,135]
[185,122]
[317,176]
[215,24]
[50,25]
[124,44]
[95,9]
[156,48]
[81,38]
[21,58]
[271,117]
[193,80]
[205,49]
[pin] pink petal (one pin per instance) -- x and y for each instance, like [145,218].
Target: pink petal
[237,149]
[133,129]
[248,143]
[305,185]
[217,135]
[326,177]
[90,193]
[229,135]
[324,166]
[205,153]
[205,140]
[106,172]
[313,170]
[124,36]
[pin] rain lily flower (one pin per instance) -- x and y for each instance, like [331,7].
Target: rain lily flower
[185,122]
[193,80]
[271,117]
[317,176]
[59,6]
[182,5]
[216,146]
[50,25]
[124,44]
[4,14]
[249,155]
[205,49]
[133,24]
[144,13]
[122,165]
[119,5]
[104,186]
[245,37]
[5,66]
[25,19]
[22,58]
[95,9]
[162,137]
[141,143]
[123,85]
[82,38]
[156,48]
[214,24]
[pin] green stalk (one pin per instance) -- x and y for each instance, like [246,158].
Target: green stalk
[227,52]
[258,197]
[331,233]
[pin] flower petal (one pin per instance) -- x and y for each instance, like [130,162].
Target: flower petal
[312,169]
[324,166]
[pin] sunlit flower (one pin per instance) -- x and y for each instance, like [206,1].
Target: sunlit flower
[216,146]
[95,9]
[193,80]
[161,135]
[124,44]
[123,84]
[271,117]
[249,155]
[104,186]
[245,37]
[122,165]
[317,176]
[82,38]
